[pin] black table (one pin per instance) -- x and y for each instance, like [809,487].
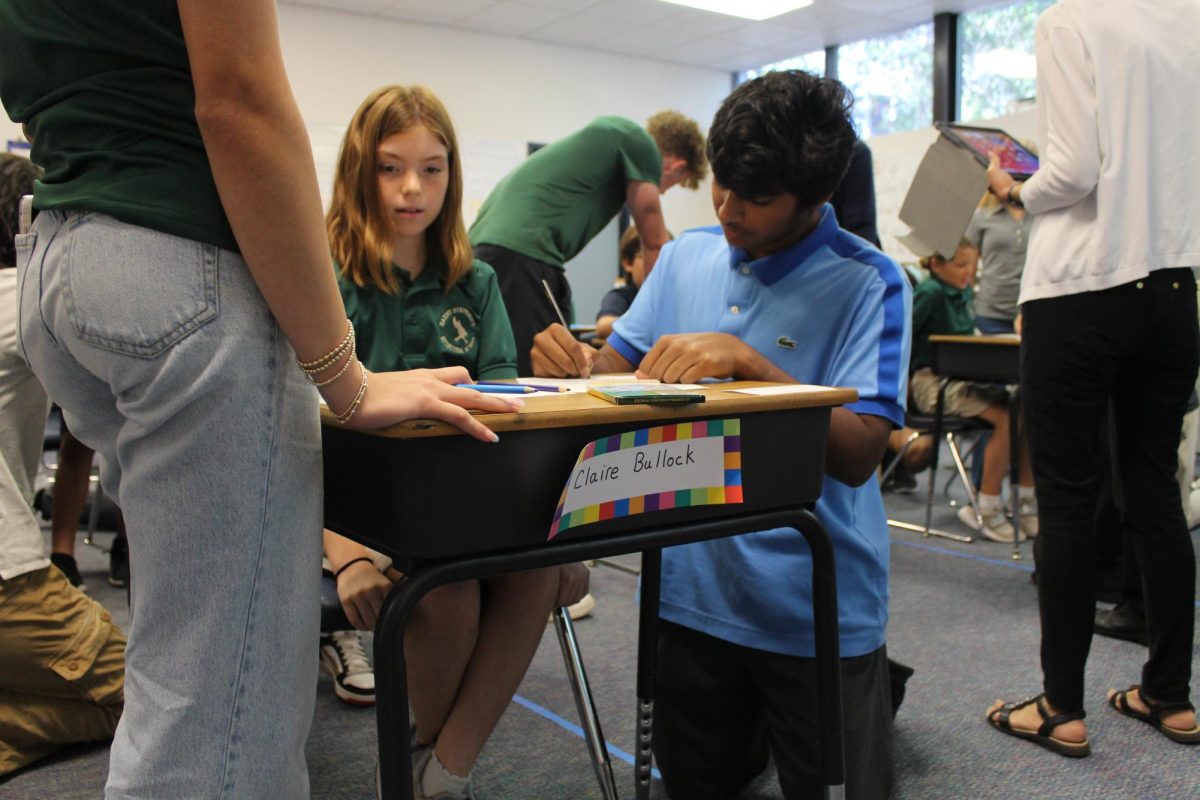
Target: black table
[449,508]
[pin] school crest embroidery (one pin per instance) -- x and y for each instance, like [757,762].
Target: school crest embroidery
[457,330]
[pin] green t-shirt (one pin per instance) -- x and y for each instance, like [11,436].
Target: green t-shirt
[424,326]
[560,197]
[105,91]
[938,309]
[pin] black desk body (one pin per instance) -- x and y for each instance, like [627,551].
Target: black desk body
[987,359]
[449,508]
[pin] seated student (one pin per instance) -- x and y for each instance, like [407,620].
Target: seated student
[62,661]
[778,292]
[633,270]
[418,299]
[942,305]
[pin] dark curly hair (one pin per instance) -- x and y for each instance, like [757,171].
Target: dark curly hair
[782,132]
[17,175]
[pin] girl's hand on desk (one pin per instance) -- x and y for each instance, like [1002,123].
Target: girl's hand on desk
[428,394]
[362,589]
[556,353]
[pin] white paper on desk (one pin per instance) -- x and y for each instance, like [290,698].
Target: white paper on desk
[580,385]
[791,388]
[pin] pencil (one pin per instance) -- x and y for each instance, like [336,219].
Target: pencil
[537,387]
[553,302]
[496,388]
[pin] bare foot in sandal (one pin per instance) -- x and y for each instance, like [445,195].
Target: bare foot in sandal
[1028,718]
[1178,724]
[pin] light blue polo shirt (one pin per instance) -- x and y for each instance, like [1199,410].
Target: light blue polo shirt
[829,310]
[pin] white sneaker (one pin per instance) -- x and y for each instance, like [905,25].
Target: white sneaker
[344,660]
[995,525]
[1027,514]
[582,608]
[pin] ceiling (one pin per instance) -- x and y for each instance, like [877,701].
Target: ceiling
[664,31]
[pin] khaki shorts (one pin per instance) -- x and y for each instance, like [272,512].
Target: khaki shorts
[62,673]
[963,398]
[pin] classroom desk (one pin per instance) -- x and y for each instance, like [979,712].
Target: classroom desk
[988,359]
[448,508]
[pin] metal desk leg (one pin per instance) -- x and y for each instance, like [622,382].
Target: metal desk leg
[391,689]
[828,654]
[646,670]
[588,718]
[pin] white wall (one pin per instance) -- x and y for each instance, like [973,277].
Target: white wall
[502,93]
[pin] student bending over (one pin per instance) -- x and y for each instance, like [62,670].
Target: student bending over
[778,292]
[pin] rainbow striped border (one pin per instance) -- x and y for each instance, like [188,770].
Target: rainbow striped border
[731,492]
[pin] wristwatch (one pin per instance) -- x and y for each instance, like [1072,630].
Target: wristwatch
[1012,198]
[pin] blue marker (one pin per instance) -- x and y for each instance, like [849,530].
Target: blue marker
[495,388]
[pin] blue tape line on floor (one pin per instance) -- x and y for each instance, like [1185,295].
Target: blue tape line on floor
[999,562]
[578,731]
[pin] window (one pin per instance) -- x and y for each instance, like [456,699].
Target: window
[809,62]
[998,64]
[892,81]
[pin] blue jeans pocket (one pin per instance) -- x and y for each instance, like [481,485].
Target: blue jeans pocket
[136,291]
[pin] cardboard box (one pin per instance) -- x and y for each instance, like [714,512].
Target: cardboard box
[942,198]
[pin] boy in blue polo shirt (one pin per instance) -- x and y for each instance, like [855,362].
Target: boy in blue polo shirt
[778,292]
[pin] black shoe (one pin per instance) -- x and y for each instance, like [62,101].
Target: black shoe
[118,563]
[1123,622]
[67,566]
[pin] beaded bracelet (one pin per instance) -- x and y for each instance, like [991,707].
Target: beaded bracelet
[329,359]
[352,358]
[349,413]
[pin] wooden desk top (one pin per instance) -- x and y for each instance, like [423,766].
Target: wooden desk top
[1011,341]
[570,409]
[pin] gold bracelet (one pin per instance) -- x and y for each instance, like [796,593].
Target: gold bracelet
[308,376]
[324,362]
[349,413]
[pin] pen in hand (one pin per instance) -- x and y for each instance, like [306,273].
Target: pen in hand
[554,303]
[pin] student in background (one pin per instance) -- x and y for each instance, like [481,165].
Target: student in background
[999,230]
[815,305]
[550,206]
[942,305]
[633,271]
[62,661]
[182,271]
[417,298]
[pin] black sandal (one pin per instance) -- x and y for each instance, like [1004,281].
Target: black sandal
[999,719]
[1120,702]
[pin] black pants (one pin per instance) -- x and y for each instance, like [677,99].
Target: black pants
[720,707]
[529,310]
[1136,345]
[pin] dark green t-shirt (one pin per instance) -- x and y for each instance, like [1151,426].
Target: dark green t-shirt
[938,309]
[560,197]
[105,90]
[423,326]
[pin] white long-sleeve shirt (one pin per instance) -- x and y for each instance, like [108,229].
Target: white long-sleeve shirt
[1118,192]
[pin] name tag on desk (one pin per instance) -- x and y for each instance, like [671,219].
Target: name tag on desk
[653,469]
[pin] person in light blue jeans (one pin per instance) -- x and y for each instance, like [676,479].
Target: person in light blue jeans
[177,269]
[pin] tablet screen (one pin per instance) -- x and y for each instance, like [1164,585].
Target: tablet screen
[1014,159]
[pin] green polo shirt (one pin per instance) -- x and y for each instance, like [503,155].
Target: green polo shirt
[105,90]
[938,308]
[424,326]
[560,197]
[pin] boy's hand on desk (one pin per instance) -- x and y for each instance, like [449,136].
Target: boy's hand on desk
[428,394]
[688,357]
[362,590]
[573,583]
[556,353]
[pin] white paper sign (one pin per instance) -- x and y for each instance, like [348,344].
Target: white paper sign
[650,469]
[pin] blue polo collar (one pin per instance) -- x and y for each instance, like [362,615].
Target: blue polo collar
[775,267]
